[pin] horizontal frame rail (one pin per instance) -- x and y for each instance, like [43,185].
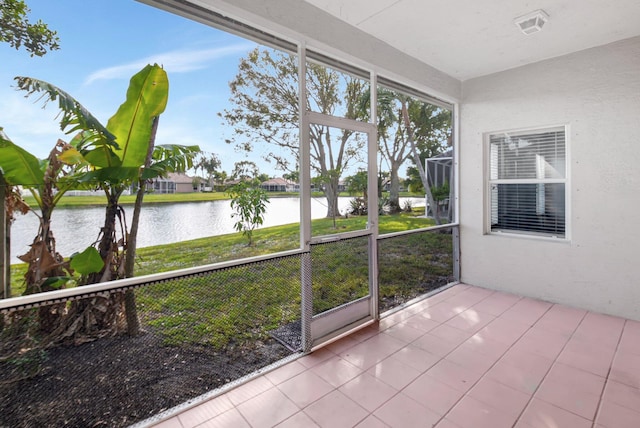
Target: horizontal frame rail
[325,239]
[22,302]
[424,229]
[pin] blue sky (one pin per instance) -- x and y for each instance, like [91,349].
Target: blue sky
[103,43]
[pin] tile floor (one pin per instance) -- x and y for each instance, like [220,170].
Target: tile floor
[464,358]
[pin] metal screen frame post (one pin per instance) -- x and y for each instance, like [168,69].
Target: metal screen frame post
[372,184]
[4,257]
[455,172]
[455,232]
[307,303]
[304,162]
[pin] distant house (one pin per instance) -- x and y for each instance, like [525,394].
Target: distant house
[279,184]
[173,183]
[230,183]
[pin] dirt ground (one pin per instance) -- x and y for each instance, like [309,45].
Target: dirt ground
[115,382]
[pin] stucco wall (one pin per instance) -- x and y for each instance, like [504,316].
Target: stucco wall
[597,93]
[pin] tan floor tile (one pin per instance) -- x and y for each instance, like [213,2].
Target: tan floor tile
[249,390]
[372,422]
[500,397]
[305,388]
[299,420]
[368,391]
[433,394]
[229,419]
[285,372]
[336,371]
[205,411]
[336,410]
[404,412]
[394,372]
[470,412]
[169,423]
[267,409]
[540,414]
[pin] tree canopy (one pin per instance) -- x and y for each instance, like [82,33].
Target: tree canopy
[265,110]
[15,29]
[209,163]
[264,99]
[427,125]
[245,170]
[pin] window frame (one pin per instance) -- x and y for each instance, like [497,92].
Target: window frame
[566,181]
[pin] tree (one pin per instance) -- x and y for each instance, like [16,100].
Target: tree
[209,163]
[264,95]
[47,180]
[245,170]
[440,193]
[398,138]
[358,183]
[138,160]
[220,177]
[112,158]
[392,144]
[250,203]
[13,204]
[16,29]
[421,125]
[293,176]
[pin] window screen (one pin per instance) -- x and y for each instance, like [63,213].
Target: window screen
[527,179]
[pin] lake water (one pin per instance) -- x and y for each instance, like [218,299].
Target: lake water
[77,228]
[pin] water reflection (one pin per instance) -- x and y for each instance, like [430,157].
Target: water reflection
[77,228]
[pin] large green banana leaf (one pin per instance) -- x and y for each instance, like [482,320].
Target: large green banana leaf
[112,174]
[146,98]
[94,140]
[19,167]
[170,158]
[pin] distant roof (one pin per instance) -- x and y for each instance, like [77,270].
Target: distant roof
[447,154]
[277,181]
[177,177]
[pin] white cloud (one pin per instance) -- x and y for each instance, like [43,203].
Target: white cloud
[180,61]
[28,125]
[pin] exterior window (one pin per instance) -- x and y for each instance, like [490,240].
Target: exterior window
[527,180]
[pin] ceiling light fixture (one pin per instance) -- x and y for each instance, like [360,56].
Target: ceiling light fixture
[532,22]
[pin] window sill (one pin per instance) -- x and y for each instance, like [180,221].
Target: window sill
[531,236]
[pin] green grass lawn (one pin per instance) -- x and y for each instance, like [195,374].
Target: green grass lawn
[203,251]
[150,198]
[158,198]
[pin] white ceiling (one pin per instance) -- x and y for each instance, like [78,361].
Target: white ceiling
[471,38]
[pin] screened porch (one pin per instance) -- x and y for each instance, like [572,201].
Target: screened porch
[524,311]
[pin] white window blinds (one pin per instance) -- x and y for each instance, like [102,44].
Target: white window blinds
[527,179]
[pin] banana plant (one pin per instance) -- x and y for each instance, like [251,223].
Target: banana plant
[122,153]
[112,158]
[47,180]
